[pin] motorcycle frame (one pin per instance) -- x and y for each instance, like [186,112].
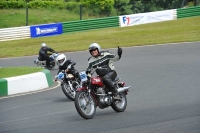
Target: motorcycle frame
[88,86]
[70,77]
[42,63]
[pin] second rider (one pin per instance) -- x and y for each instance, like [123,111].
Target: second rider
[67,65]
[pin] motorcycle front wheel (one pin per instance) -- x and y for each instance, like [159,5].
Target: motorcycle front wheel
[68,92]
[85,104]
[120,105]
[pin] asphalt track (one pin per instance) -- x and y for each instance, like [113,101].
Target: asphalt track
[164,98]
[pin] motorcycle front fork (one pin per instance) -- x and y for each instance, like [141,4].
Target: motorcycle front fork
[68,83]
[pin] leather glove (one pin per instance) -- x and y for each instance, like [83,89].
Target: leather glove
[119,52]
[87,71]
[56,78]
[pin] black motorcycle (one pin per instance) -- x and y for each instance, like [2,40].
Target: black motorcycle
[53,61]
[69,84]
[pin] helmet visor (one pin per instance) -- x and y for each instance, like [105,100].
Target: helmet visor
[60,61]
[92,49]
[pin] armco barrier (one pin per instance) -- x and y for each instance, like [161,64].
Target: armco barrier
[188,12]
[25,83]
[15,33]
[98,23]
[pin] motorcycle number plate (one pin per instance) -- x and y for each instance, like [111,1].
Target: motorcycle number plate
[60,75]
[70,76]
[83,76]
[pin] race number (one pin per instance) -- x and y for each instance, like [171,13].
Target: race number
[83,76]
[60,75]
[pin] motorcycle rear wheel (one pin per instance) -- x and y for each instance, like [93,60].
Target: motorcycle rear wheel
[120,105]
[52,64]
[85,105]
[66,90]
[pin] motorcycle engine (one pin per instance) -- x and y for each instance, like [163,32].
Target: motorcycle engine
[75,85]
[100,90]
[103,97]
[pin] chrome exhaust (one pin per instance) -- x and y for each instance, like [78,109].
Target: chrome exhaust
[123,89]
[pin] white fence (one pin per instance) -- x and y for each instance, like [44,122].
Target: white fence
[15,33]
[175,13]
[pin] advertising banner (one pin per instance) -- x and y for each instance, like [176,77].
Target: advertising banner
[46,30]
[143,18]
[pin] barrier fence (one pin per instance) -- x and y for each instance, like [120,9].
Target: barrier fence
[82,25]
[7,34]
[16,33]
[144,18]
[188,12]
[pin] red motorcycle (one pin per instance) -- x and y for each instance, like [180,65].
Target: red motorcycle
[94,93]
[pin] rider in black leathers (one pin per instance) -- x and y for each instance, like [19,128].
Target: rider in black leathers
[67,65]
[43,55]
[104,59]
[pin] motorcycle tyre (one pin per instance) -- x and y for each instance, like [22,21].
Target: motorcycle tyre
[51,67]
[65,92]
[53,64]
[116,108]
[78,108]
[38,65]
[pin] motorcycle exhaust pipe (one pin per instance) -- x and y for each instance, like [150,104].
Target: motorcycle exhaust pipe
[123,89]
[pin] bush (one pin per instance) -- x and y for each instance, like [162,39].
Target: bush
[99,7]
[34,4]
[73,7]
[12,4]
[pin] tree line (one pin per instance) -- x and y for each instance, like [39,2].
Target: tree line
[101,7]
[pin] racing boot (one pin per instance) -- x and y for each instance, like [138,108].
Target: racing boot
[116,95]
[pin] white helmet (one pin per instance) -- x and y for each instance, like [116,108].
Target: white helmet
[61,59]
[94,46]
[43,45]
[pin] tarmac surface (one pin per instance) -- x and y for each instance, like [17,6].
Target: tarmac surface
[164,97]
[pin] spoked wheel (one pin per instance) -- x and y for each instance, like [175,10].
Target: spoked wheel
[120,105]
[38,65]
[68,92]
[85,104]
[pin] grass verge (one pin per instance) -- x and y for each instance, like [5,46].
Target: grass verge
[181,30]
[17,71]
[17,17]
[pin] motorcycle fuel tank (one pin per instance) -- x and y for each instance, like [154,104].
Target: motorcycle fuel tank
[97,81]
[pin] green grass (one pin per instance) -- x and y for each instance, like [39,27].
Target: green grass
[181,30]
[17,71]
[17,17]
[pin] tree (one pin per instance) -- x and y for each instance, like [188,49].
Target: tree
[99,6]
[123,7]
